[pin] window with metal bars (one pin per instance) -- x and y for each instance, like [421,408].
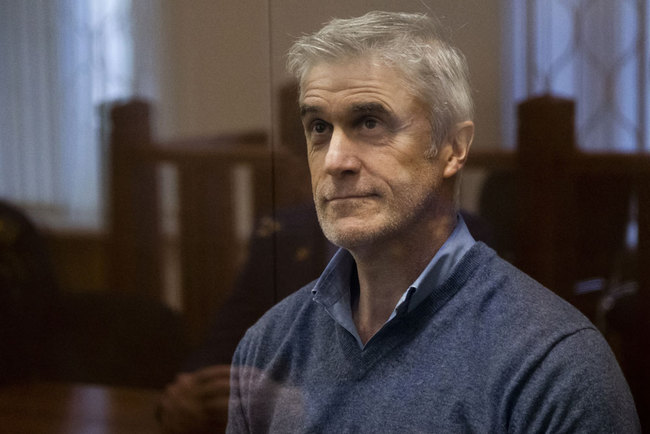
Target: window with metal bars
[596,52]
[61,61]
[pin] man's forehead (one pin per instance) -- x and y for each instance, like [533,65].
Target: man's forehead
[353,71]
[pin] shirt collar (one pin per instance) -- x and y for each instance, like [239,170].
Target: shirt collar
[442,264]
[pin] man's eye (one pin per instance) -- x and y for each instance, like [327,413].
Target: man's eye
[319,127]
[370,123]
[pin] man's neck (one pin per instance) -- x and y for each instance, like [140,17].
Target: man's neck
[386,271]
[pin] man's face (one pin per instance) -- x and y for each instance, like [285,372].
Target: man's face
[367,138]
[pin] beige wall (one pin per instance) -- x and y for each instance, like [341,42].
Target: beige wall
[214,67]
[223,61]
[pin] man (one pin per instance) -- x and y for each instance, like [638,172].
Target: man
[413,326]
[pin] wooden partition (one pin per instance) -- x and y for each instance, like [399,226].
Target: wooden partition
[206,236]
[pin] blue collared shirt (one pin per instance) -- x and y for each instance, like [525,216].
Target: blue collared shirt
[332,290]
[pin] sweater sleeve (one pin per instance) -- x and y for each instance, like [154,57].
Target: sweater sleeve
[577,387]
[236,415]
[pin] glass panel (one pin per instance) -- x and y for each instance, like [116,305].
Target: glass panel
[217,194]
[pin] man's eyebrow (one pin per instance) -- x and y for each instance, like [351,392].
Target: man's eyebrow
[306,109]
[370,107]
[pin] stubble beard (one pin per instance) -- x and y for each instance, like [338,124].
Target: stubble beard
[395,221]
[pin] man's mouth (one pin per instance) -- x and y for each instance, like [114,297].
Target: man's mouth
[341,197]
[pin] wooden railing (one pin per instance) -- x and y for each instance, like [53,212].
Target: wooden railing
[206,223]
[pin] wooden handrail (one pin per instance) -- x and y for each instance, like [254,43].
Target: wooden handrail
[607,162]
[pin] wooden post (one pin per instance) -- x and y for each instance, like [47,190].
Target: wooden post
[207,242]
[546,139]
[133,206]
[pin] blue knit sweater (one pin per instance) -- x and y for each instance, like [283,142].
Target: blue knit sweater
[490,350]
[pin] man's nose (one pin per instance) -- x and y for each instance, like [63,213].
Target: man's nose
[342,155]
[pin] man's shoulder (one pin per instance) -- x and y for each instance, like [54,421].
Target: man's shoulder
[274,325]
[292,303]
[508,323]
[513,313]
[512,290]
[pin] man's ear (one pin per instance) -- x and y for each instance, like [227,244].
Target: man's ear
[460,140]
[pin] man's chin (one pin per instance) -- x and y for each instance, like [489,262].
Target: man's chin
[349,237]
[352,231]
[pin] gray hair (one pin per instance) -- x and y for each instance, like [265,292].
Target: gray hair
[434,71]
